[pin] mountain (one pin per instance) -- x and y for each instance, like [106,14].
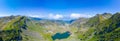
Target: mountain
[5,20]
[22,28]
[101,27]
[89,22]
[12,30]
[109,29]
[51,21]
[98,19]
[78,22]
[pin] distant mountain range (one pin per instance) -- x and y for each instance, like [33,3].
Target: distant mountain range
[101,27]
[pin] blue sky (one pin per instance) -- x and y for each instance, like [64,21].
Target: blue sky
[57,9]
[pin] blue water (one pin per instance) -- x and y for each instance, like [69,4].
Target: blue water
[61,35]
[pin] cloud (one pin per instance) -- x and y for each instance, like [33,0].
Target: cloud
[60,16]
[48,16]
[34,15]
[37,16]
[57,16]
[1,15]
[77,15]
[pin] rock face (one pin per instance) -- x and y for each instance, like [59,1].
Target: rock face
[102,27]
[109,29]
[12,30]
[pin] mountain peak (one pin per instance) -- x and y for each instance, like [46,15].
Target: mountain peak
[106,14]
[18,21]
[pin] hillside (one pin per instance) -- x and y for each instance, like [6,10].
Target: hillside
[101,27]
[109,29]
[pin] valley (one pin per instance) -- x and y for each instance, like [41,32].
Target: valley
[101,27]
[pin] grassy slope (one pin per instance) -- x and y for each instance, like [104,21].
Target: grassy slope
[89,28]
[32,26]
[99,29]
[11,31]
[108,30]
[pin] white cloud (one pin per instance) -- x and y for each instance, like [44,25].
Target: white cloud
[60,16]
[77,15]
[49,16]
[39,16]
[1,15]
[34,15]
[57,16]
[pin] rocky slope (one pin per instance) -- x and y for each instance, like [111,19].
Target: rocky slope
[102,27]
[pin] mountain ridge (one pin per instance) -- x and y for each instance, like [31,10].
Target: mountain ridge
[102,27]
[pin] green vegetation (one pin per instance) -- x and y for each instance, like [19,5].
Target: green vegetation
[11,31]
[108,30]
[102,27]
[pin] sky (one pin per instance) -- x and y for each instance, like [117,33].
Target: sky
[58,9]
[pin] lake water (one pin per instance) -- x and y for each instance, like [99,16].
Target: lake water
[61,35]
